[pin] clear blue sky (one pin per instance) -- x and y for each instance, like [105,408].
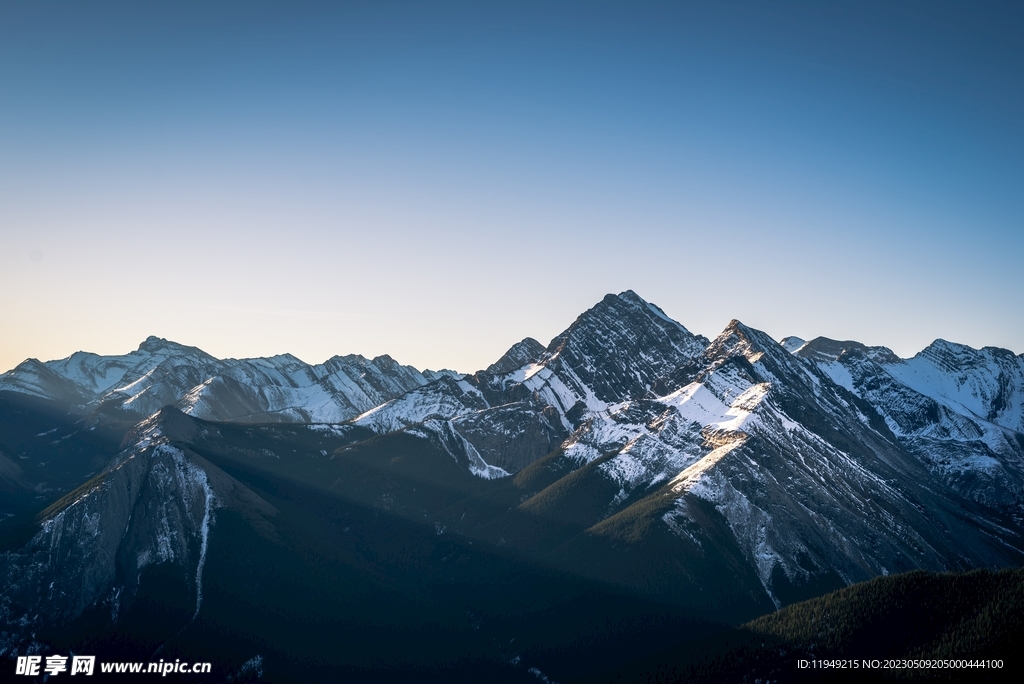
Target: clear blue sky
[437,180]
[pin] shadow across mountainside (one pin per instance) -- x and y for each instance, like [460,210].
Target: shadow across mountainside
[318,585]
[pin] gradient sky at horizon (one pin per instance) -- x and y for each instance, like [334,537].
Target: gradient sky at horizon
[436,181]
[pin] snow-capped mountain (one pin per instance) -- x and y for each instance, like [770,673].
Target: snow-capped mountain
[513,414]
[813,477]
[810,482]
[958,410]
[160,373]
[728,475]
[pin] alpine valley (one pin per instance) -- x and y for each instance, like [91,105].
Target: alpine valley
[566,514]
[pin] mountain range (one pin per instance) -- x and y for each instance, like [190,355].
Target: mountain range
[629,469]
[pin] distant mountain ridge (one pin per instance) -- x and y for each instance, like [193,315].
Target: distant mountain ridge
[730,475]
[161,372]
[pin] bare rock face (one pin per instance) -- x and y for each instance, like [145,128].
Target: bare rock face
[518,355]
[620,348]
[825,349]
[155,503]
[513,435]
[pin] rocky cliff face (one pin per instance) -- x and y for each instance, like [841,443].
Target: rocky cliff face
[154,504]
[620,349]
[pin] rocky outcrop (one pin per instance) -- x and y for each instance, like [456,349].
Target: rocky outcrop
[154,504]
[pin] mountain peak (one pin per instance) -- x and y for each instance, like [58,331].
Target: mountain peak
[623,308]
[629,300]
[338,361]
[739,339]
[153,344]
[528,350]
[826,349]
[792,343]
[622,345]
[738,328]
[627,296]
[160,347]
[949,355]
[941,347]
